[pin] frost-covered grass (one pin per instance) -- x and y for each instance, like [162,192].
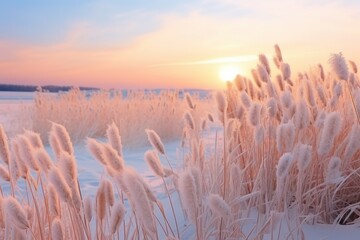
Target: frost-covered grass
[88,114]
[284,155]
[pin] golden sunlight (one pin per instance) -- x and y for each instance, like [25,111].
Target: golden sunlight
[229,72]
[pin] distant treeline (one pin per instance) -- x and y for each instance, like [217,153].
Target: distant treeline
[30,88]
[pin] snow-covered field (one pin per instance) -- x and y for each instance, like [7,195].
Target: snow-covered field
[90,171]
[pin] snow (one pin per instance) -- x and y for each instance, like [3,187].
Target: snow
[90,171]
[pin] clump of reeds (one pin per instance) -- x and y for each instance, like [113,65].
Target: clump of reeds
[281,146]
[97,109]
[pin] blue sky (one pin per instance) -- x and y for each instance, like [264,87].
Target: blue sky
[45,22]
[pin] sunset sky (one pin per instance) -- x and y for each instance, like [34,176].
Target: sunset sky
[167,44]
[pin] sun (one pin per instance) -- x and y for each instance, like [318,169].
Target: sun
[229,72]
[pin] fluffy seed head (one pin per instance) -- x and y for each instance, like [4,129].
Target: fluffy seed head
[272,107]
[34,139]
[221,102]
[44,159]
[338,65]
[337,90]
[113,135]
[285,70]
[286,99]
[88,208]
[15,213]
[271,89]
[280,82]
[53,198]
[20,166]
[254,114]
[264,61]
[303,154]
[353,66]
[101,201]
[239,82]
[27,153]
[189,101]
[59,182]
[4,146]
[285,135]
[140,201]
[189,120]
[284,165]
[218,206]
[154,163]
[256,78]
[96,150]
[196,173]
[63,138]
[187,189]
[109,192]
[276,62]
[333,171]
[245,99]
[118,214]
[278,53]
[310,94]
[155,141]
[332,127]
[15,170]
[321,94]
[321,72]
[301,118]
[68,168]
[112,157]
[262,73]
[55,144]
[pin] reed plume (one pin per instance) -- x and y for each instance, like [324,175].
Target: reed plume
[264,61]
[339,66]
[59,182]
[117,217]
[113,135]
[155,141]
[63,138]
[96,149]
[218,206]
[4,146]
[15,213]
[189,101]
[154,163]
[187,189]
[332,127]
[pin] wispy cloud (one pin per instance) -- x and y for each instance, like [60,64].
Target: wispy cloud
[235,59]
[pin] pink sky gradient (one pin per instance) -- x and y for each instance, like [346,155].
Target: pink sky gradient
[175,53]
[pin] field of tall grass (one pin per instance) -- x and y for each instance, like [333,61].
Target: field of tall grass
[287,154]
[87,114]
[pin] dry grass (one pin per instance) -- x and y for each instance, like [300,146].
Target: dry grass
[288,149]
[88,115]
